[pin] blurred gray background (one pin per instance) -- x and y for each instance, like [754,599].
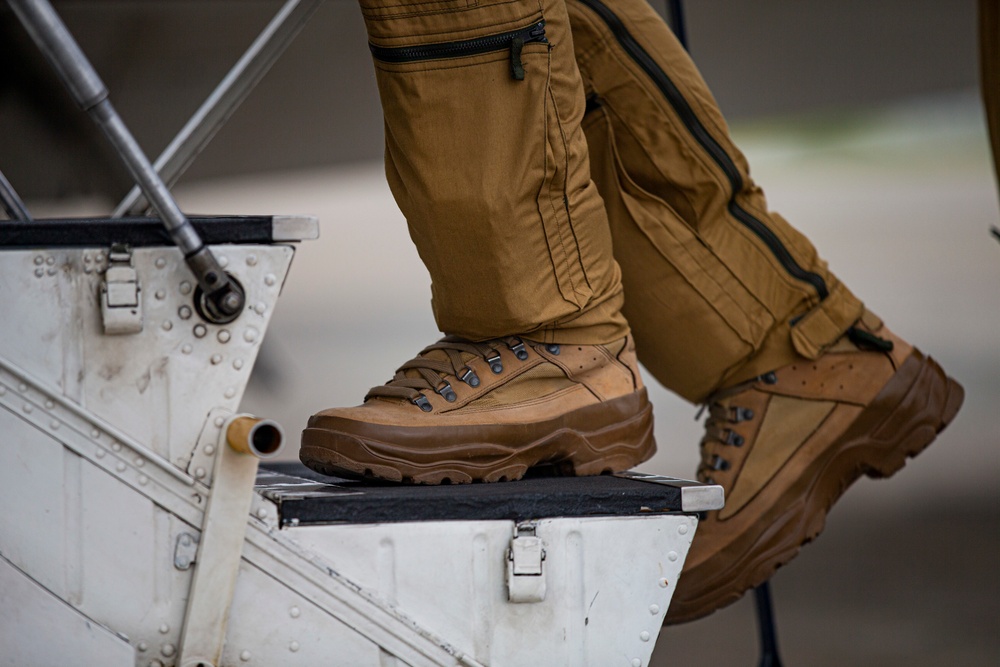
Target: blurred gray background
[860,119]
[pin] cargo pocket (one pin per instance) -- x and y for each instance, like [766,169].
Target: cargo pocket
[473,148]
[693,320]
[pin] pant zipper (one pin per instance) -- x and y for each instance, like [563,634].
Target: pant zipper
[711,146]
[513,40]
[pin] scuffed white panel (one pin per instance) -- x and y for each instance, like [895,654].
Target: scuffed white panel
[44,630]
[289,629]
[33,522]
[609,581]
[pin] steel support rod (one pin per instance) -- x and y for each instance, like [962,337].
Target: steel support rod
[225,99]
[78,75]
[769,656]
[11,202]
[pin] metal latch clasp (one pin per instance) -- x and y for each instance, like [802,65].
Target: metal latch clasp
[121,303]
[525,576]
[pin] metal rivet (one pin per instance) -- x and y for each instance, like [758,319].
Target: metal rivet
[223,261]
[120,467]
[269,280]
[262,513]
[672,556]
[185,287]
[245,656]
[186,348]
[39,260]
[654,609]
[139,462]
[200,331]
[160,295]
[51,271]
[251,260]
[164,629]
[230,392]
[143,646]
[168,650]
[219,421]
[209,450]
[28,408]
[49,405]
[54,424]
[143,480]
[644,636]
[161,262]
[238,364]
[636,662]
[39,272]
[50,260]
[260,308]
[294,612]
[199,472]
[167,325]
[155,663]
[86,258]
[116,446]
[682,529]
[22,387]
[224,336]
[250,335]
[184,312]
[293,647]
[663,583]
[99,453]
[95,434]
[216,359]
[86,269]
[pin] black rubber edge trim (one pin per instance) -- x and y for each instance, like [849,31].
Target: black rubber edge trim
[134,231]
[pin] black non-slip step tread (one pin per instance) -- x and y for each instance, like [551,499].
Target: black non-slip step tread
[306,497]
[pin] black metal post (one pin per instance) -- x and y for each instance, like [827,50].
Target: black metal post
[769,656]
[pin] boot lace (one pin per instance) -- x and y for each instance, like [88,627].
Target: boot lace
[719,431]
[430,370]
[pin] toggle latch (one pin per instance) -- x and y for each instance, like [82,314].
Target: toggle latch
[525,577]
[121,303]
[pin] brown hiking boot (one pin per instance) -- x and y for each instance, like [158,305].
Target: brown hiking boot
[463,412]
[787,444]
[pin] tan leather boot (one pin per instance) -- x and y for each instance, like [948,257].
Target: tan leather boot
[463,412]
[787,444]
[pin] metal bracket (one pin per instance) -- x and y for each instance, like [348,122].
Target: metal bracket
[525,577]
[185,551]
[121,298]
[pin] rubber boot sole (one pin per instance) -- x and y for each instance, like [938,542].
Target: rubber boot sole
[917,403]
[605,437]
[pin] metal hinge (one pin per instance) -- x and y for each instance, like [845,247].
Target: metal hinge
[121,302]
[525,576]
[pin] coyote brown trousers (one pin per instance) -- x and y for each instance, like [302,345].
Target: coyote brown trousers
[565,174]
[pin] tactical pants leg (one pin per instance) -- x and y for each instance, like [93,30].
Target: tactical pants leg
[493,175]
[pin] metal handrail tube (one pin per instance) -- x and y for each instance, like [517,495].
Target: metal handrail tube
[81,79]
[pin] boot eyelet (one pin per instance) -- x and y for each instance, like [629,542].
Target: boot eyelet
[769,378]
[519,350]
[495,364]
[719,463]
[469,377]
[422,403]
[447,392]
[552,349]
[734,439]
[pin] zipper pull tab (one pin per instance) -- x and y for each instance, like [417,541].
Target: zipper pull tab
[516,67]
